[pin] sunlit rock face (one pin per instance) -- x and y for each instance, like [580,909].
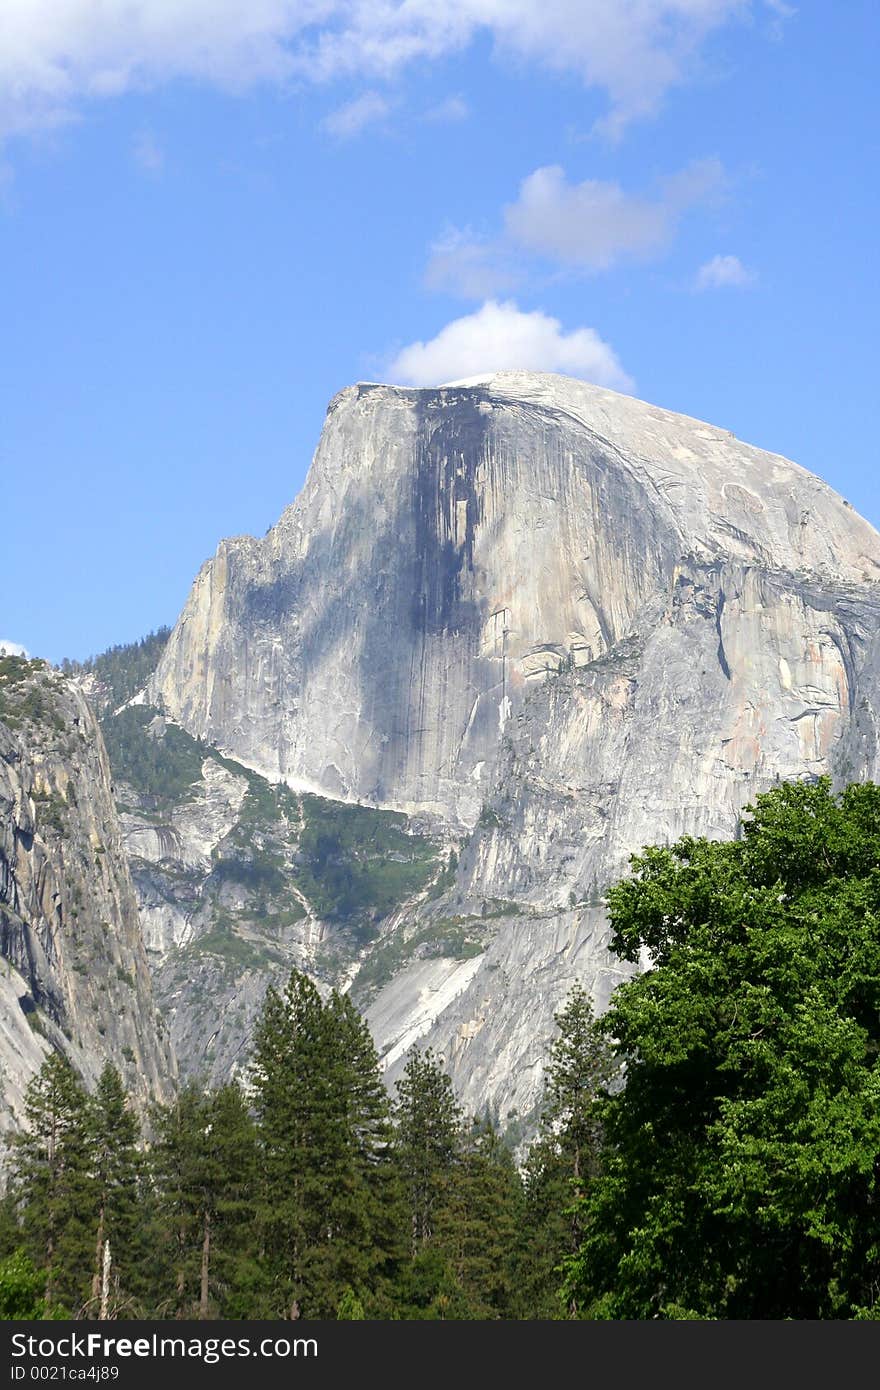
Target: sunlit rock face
[561,622]
[73,969]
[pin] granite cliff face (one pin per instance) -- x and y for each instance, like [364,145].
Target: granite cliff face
[559,623]
[239,881]
[73,972]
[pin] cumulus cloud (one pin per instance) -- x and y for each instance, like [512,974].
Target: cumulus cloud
[465,264]
[499,337]
[723,272]
[588,226]
[8,648]
[355,116]
[57,54]
[594,224]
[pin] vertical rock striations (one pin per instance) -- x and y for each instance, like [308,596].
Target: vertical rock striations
[74,971]
[563,624]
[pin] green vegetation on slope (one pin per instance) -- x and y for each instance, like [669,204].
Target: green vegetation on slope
[160,761]
[27,695]
[355,861]
[123,670]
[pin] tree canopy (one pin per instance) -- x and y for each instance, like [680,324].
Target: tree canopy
[741,1159]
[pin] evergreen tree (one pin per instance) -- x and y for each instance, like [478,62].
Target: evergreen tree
[462,1201]
[179,1163]
[204,1166]
[364,1211]
[476,1226]
[291,1107]
[324,1128]
[117,1169]
[428,1138]
[53,1183]
[565,1156]
[229,1275]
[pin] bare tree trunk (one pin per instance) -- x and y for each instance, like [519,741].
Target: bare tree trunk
[105,1284]
[181,1275]
[206,1257]
[50,1252]
[99,1254]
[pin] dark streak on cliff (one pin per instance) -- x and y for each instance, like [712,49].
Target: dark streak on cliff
[451,445]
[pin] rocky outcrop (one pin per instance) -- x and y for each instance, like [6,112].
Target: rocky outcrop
[239,881]
[74,971]
[562,623]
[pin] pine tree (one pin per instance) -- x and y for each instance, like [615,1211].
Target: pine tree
[564,1158]
[463,1199]
[325,1135]
[117,1170]
[290,1104]
[204,1166]
[364,1211]
[428,1124]
[53,1183]
[178,1161]
[476,1226]
[228,1271]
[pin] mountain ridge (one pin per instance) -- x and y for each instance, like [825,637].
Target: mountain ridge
[557,623]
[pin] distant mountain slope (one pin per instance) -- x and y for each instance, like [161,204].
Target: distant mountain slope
[75,972]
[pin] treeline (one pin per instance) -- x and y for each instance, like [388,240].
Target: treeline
[709,1148]
[313,1195]
[122,670]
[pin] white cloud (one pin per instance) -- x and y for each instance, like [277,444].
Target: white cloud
[148,154]
[589,226]
[499,337]
[723,272]
[8,648]
[594,224]
[446,112]
[355,116]
[57,54]
[468,265]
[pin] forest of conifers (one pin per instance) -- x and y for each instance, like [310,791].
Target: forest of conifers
[709,1148]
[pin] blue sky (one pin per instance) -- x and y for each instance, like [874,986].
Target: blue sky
[214,216]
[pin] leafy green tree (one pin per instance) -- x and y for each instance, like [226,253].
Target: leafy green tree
[21,1288]
[52,1182]
[350,1308]
[741,1164]
[565,1157]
